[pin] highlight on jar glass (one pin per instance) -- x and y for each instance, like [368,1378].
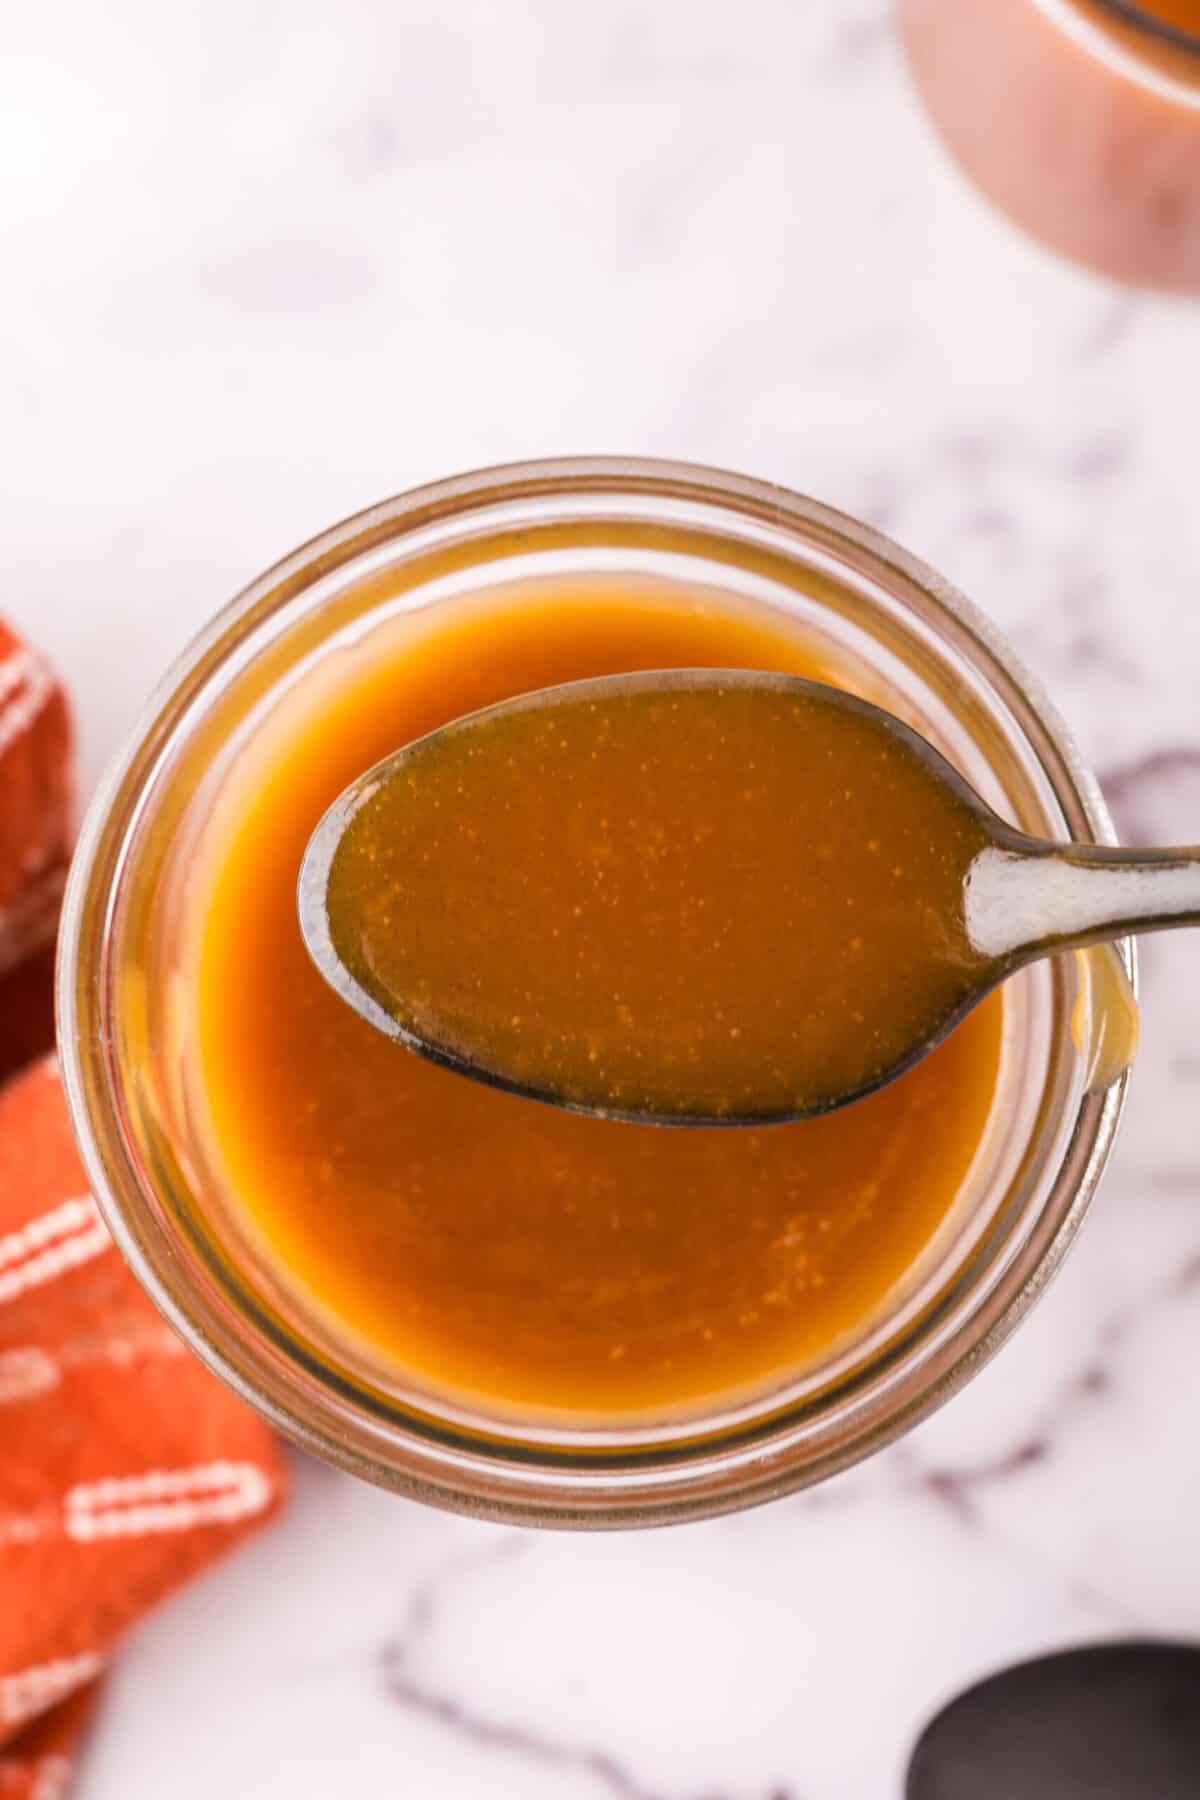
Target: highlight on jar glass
[461,1292]
[1080,119]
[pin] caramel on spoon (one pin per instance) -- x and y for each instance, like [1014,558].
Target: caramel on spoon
[694,897]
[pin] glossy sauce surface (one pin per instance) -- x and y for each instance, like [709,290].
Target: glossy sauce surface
[487,1245]
[691,898]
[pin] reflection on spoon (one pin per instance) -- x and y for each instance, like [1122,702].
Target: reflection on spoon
[693,897]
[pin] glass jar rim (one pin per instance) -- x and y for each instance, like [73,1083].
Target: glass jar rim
[1132,43]
[521,1484]
[1129,12]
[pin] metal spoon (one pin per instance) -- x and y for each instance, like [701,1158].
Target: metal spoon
[1016,899]
[1110,1722]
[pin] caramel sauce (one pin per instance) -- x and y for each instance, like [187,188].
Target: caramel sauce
[1106,1025]
[693,900]
[1183,14]
[485,1245]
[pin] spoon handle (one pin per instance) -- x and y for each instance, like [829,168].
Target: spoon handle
[1023,901]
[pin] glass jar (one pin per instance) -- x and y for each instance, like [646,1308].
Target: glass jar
[893,629]
[1079,118]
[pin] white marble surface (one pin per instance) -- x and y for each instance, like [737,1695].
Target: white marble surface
[266,263]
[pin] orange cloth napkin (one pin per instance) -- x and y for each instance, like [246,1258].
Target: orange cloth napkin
[125,1468]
